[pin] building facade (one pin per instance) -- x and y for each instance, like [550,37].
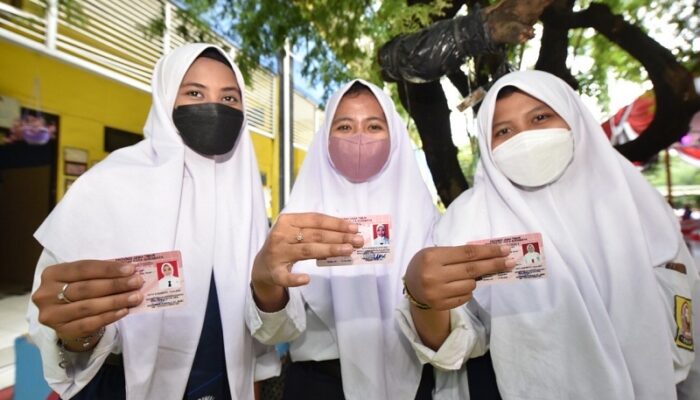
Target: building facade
[75,85]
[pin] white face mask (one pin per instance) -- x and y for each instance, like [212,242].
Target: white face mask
[535,158]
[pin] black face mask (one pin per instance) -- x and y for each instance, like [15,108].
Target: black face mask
[210,129]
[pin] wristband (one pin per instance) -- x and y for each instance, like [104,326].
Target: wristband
[412,299]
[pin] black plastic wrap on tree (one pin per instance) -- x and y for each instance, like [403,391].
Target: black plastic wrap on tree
[437,50]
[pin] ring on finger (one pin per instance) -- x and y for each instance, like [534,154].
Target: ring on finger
[61,296]
[300,236]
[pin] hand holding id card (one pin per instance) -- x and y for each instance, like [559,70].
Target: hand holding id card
[526,250]
[376,232]
[164,285]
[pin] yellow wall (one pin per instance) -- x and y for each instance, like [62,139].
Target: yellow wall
[84,101]
[299,156]
[264,152]
[87,102]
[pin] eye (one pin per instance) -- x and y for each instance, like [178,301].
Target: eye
[343,128]
[376,128]
[542,117]
[501,132]
[230,99]
[194,93]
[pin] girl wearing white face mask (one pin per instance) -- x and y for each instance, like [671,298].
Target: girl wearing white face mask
[344,339]
[603,323]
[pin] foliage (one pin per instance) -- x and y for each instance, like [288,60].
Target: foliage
[468,157]
[672,19]
[190,24]
[682,173]
[338,39]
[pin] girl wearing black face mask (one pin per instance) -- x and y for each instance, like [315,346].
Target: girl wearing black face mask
[192,185]
[208,110]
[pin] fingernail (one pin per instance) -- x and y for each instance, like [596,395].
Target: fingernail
[122,312]
[136,282]
[127,269]
[352,227]
[358,240]
[510,263]
[346,248]
[505,250]
[134,298]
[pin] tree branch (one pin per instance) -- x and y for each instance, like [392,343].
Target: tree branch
[676,99]
[461,81]
[427,105]
[554,47]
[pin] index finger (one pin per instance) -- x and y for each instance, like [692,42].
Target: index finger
[475,270]
[321,221]
[473,252]
[88,269]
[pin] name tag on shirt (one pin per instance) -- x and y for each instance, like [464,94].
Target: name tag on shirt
[528,253]
[164,284]
[376,230]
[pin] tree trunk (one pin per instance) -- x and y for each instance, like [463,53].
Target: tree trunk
[676,99]
[675,94]
[554,47]
[427,105]
[416,58]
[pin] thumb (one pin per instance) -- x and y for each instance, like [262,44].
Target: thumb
[284,278]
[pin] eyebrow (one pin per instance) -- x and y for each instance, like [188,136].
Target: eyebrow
[339,119]
[193,84]
[232,89]
[541,107]
[201,86]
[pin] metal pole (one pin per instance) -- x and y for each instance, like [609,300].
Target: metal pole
[669,184]
[286,128]
[51,24]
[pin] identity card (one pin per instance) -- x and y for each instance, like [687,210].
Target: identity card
[377,232]
[164,285]
[526,250]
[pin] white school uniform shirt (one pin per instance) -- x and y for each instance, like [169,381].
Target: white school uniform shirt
[209,208]
[348,312]
[598,326]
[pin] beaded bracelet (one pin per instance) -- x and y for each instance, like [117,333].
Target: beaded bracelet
[412,299]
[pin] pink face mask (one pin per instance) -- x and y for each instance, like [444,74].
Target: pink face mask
[358,157]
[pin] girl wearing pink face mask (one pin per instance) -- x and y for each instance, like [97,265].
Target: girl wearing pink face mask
[344,340]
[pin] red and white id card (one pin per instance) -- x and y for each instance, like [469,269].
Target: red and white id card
[376,230]
[526,250]
[164,284]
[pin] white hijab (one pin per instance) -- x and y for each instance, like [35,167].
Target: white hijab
[357,302]
[159,195]
[594,328]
